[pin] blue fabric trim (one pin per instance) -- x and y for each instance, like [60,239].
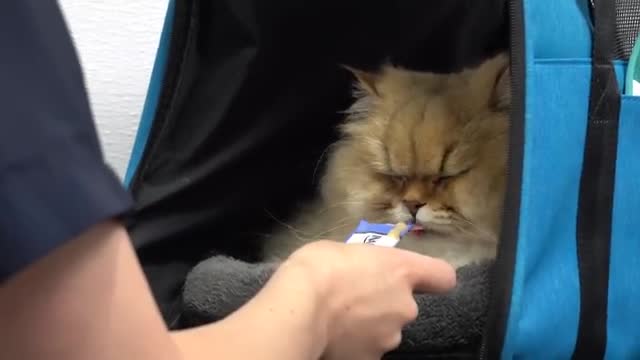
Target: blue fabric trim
[623,337]
[545,304]
[153,95]
[558,29]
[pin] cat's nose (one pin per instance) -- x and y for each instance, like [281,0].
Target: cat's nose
[413,206]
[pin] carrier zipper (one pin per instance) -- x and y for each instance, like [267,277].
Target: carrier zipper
[501,277]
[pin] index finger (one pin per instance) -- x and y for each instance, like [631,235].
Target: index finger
[427,274]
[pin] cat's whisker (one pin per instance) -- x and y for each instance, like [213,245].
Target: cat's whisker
[343,223]
[296,232]
[354,169]
[344,220]
[329,231]
[468,227]
[315,169]
[344,203]
[339,204]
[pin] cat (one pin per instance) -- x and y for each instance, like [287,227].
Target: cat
[416,146]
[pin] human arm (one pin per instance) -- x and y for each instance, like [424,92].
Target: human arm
[89,300]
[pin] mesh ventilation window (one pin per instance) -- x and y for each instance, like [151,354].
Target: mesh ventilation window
[627,26]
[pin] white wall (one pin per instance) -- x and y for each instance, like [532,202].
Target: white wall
[117,41]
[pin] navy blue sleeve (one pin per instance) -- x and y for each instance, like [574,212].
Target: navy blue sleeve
[54,183]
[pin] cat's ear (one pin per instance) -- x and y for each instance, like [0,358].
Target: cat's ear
[368,80]
[501,98]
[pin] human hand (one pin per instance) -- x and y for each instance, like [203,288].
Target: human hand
[367,293]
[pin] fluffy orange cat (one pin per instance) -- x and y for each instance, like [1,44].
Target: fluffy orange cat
[416,146]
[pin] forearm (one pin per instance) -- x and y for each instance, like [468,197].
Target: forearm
[284,321]
[89,299]
[86,300]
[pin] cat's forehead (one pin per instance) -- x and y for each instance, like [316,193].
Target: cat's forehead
[413,138]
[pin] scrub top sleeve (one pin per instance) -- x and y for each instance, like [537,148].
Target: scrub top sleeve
[54,182]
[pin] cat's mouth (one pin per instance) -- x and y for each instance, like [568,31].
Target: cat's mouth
[417,229]
[450,230]
[434,229]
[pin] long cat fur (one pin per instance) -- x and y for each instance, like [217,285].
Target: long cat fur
[436,141]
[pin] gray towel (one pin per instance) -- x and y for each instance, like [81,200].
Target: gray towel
[452,322]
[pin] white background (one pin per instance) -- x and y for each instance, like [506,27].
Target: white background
[116,41]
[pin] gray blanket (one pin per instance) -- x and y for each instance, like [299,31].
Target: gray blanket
[219,285]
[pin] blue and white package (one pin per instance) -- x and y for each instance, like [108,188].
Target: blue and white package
[387,235]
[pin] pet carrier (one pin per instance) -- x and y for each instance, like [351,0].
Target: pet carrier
[245,96]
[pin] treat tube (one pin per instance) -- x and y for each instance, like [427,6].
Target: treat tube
[397,230]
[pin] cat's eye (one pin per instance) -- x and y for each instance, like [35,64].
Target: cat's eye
[438,180]
[444,178]
[398,179]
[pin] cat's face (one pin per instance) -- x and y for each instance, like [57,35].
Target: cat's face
[426,148]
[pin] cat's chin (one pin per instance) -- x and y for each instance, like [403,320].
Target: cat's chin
[428,232]
[457,251]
